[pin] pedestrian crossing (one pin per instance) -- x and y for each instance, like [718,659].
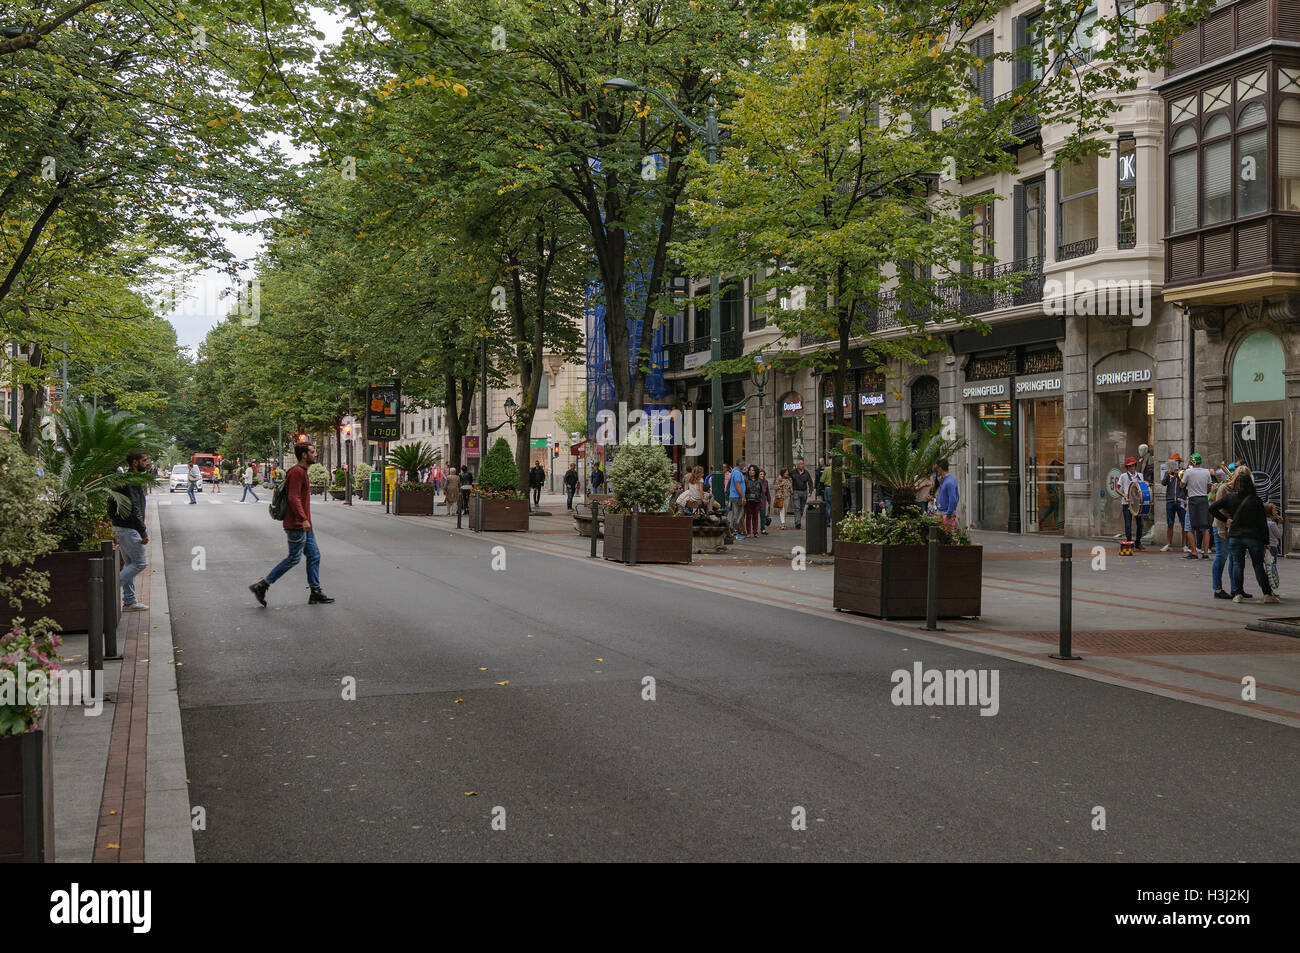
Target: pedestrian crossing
[202,499]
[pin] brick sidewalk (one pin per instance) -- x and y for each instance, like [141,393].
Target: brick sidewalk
[120,838]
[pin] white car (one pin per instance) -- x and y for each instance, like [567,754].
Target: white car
[180,480]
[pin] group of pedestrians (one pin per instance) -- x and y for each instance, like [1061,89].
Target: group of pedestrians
[1220,515]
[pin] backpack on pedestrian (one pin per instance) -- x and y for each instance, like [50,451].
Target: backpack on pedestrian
[279,506]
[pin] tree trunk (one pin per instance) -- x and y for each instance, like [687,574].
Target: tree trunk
[33,400]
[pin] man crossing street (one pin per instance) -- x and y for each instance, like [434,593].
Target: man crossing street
[297,525]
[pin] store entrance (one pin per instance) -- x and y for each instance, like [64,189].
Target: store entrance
[1125,421]
[991,448]
[1043,424]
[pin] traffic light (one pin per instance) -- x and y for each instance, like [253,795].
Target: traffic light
[347,430]
[555,452]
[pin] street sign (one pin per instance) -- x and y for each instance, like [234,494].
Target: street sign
[383,412]
[537,443]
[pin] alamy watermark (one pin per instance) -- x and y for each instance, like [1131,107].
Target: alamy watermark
[20,686]
[1122,298]
[661,426]
[933,686]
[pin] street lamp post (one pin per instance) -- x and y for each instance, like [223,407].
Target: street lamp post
[709,132]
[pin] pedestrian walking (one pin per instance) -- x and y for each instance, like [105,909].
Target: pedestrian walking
[801,483]
[537,480]
[453,490]
[1274,544]
[736,499]
[597,480]
[297,526]
[131,533]
[216,477]
[193,481]
[783,493]
[1243,511]
[250,477]
[753,500]
[570,485]
[948,497]
[466,482]
[438,477]
[764,502]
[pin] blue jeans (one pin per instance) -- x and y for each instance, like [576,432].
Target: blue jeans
[1238,547]
[1220,559]
[134,559]
[300,541]
[826,495]
[189,488]
[248,488]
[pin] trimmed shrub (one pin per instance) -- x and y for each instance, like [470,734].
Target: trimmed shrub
[641,475]
[499,475]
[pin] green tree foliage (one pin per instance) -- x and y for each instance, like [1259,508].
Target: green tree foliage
[25,510]
[411,458]
[893,457]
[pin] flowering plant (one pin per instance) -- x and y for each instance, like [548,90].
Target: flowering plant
[23,655]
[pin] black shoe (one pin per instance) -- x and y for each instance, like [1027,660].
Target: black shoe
[1191,556]
[1245,595]
[318,598]
[1220,594]
[259,589]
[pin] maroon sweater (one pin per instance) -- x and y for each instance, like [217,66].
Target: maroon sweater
[298,492]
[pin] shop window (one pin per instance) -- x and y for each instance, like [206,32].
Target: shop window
[1076,189]
[1257,369]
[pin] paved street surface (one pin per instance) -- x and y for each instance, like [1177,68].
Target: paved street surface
[522,689]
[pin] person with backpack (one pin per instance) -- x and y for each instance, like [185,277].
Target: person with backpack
[131,533]
[292,505]
[250,477]
[1243,511]
[466,482]
[193,480]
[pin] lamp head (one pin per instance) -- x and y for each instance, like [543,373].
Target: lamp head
[617,82]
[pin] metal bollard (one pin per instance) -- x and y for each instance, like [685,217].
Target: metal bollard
[1065,652]
[459,510]
[95,637]
[111,614]
[932,580]
[630,543]
[595,526]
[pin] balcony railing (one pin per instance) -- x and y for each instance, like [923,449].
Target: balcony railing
[889,314]
[1076,249]
[731,348]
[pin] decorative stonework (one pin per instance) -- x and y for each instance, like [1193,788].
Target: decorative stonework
[1285,308]
[1209,320]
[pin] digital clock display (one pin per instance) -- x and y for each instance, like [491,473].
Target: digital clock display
[383,410]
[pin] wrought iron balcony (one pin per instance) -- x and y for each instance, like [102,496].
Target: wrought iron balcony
[731,347]
[1076,249]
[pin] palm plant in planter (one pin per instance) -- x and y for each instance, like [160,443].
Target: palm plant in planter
[881,558]
[413,497]
[636,528]
[82,457]
[495,500]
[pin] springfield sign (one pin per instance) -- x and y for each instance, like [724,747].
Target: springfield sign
[1125,370]
[984,391]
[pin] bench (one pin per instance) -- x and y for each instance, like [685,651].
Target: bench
[705,538]
[582,521]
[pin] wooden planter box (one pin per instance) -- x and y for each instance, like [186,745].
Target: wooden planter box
[69,592]
[888,582]
[27,797]
[660,538]
[413,503]
[490,515]
[339,494]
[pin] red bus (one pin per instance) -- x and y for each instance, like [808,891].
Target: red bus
[208,464]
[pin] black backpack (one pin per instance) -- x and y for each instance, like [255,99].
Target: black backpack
[280,502]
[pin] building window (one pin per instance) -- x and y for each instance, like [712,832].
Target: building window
[1182,179]
[1030,198]
[1082,41]
[982,75]
[733,307]
[1216,170]
[1288,153]
[1126,157]
[1252,160]
[1076,208]
[1127,12]
[925,404]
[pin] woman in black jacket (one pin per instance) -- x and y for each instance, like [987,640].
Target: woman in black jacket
[1243,511]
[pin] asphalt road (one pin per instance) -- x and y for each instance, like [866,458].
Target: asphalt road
[757,712]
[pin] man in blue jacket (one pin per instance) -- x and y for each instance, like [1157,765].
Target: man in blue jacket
[947,498]
[736,497]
